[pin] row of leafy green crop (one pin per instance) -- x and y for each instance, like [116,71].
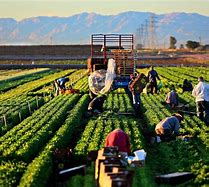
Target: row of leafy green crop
[82,84]
[13,110]
[162,153]
[154,112]
[5,107]
[177,155]
[39,170]
[33,85]
[6,73]
[176,75]
[32,136]
[118,103]
[195,127]
[76,79]
[166,80]
[14,73]
[39,114]
[191,73]
[97,129]
[12,115]
[11,171]
[8,84]
[170,78]
[200,127]
[100,128]
[37,140]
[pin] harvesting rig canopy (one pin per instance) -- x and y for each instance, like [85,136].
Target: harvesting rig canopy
[119,47]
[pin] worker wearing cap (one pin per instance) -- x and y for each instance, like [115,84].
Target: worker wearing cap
[120,139]
[201,94]
[168,128]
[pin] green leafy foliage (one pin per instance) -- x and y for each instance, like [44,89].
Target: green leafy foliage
[10,173]
[55,124]
[40,169]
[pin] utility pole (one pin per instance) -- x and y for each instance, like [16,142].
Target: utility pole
[146,34]
[152,37]
[164,44]
[142,35]
[200,41]
[138,35]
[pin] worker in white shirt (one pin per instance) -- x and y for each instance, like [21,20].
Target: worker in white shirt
[201,94]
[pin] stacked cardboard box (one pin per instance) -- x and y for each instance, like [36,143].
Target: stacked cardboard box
[109,171]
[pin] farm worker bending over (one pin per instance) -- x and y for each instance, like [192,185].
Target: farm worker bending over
[59,85]
[201,93]
[61,82]
[153,76]
[172,98]
[120,139]
[96,105]
[168,128]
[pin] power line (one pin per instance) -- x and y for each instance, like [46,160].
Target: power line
[146,33]
[152,36]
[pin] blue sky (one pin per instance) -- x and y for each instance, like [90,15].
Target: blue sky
[20,9]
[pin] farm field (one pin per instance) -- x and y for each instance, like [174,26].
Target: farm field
[10,74]
[34,123]
[143,58]
[186,60]
[13,78]
[34,62]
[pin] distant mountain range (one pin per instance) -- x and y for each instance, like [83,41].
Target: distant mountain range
[77,29]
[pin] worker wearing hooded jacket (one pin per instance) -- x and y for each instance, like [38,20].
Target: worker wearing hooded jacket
[120,139]
[168,128]
[201,93]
